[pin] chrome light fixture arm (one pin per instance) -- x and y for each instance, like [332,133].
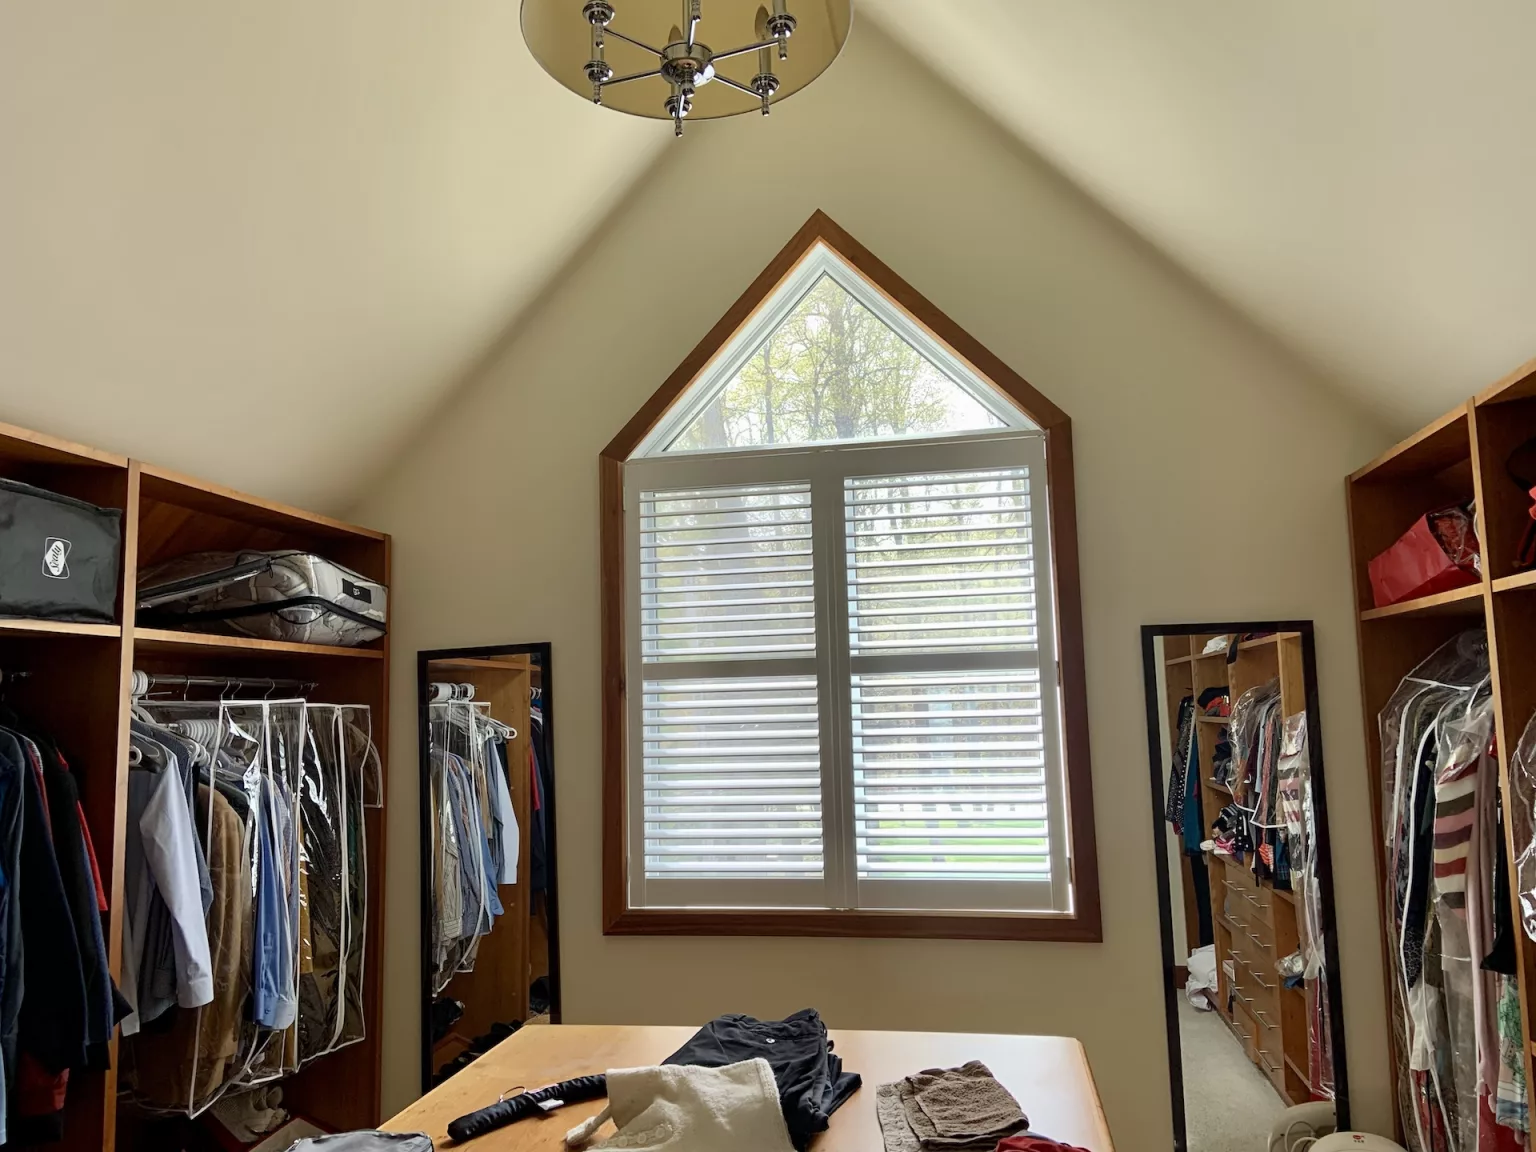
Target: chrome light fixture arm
[685,63]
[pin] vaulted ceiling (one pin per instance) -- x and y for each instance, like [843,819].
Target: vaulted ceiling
[288,230]
[1359,178]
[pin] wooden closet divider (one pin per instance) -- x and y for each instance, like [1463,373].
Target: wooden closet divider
[1458,459]
[80,687]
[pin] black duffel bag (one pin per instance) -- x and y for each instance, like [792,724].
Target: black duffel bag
[58,555]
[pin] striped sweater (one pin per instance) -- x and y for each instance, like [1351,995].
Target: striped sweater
[1455,817]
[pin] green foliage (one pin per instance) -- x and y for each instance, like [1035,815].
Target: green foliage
[833,371]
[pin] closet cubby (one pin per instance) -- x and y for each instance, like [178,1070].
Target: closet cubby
[1253,924]
[77,682]
[1460,458]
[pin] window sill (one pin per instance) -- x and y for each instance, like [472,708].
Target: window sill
[873,924]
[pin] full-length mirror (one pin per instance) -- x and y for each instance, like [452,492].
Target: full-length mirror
[1255,1021]
[489,927]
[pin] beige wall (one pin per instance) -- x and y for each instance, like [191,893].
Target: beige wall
[1209,473]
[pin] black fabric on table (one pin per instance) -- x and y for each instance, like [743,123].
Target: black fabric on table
[810,1076]
[505,1112]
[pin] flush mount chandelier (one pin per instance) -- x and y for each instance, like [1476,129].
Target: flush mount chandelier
[657,58]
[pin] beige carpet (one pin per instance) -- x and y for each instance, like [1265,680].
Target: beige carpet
[1228,1104]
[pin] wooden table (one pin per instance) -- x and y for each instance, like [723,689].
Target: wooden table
[1048,1075]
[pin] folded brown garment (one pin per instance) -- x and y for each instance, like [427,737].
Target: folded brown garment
[895,1132]
[949,1109]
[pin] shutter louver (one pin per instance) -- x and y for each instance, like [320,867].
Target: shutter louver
[726,573]
[732,779]
[949,776]
[941,563]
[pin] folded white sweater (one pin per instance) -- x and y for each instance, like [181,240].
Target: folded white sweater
[679,1108]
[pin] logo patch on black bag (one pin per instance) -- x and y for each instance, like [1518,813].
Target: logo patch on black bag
[56,558]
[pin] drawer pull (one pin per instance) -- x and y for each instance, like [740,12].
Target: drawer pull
[1264,1060]
[1263,1018]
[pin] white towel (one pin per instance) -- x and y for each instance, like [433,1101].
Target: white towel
[680,1108]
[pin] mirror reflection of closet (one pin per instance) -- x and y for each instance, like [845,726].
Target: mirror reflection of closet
[1250,959]
[489,913]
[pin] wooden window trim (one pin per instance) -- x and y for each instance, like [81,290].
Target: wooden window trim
[619,919]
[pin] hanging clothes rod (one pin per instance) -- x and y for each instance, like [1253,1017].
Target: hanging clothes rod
[144,683]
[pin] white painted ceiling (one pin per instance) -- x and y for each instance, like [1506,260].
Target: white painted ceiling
[287,230]
[1357,176]
[260,241]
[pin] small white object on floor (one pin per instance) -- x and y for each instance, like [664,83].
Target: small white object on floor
[1201,985]
[1298,1127]
[1355,1142]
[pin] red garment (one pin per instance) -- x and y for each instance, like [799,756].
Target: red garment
[1032,1142]
[90,854]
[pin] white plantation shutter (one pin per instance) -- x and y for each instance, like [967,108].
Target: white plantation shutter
[846,672]
[731,777]
[952,799]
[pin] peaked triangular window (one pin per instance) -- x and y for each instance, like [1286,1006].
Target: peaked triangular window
[829,359]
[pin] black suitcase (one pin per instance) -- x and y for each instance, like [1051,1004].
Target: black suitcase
[59,557]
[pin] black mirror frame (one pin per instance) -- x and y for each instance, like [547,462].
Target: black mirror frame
[1149,634]
[543,653]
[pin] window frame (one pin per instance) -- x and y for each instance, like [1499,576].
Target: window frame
[620,663]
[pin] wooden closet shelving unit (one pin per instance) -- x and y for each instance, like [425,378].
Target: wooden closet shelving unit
[79,689]
[1252,922]
[1460,458]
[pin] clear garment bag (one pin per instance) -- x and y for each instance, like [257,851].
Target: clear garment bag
[463,897]
[281,788]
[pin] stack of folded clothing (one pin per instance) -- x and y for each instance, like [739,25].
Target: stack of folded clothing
[810,1076]
[1216,701]
[947,1110]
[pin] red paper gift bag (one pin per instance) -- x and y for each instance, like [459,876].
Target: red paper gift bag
[1438,553]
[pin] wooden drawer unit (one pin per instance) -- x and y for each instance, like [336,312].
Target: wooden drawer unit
[1246,893]
[1269,1052]
[1255,948]
[1257,994]
[1246,1029]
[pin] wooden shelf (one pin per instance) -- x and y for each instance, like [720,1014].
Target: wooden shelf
[1516,583]
[169,640]
[1445,442]
[1219,786]
[17,626]
[1224,721]
[1457,602]
[1518,385]
[1266,641]
[1287,896]
[166,486]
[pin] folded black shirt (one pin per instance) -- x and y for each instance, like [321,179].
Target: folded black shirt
[812,1083]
